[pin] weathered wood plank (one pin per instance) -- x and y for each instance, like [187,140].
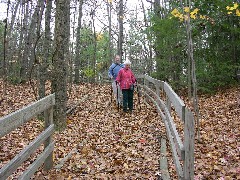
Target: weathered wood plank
[174,152]
[189,146]
[186,151]
[156,104]
[37,163]
[168,118]
[9,168]
[180,147]
[163,161]
[156,82]
[157,98]
[175,100]
[140,76]
[48,116]
[16,119]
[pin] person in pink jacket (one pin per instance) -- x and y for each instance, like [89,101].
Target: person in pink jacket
[126,80]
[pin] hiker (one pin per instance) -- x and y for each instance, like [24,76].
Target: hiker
[112,73]
[127,80]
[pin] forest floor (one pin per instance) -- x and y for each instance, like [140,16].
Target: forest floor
[102,143]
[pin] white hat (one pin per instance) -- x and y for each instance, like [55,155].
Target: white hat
[127,62]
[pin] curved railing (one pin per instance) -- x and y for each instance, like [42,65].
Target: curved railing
[166,101]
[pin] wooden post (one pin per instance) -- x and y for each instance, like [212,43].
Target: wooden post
[168,104]
[189,145]
[146,82]
[157,89]
[48,116]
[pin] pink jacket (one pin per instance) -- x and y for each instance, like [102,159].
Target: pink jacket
[125,78]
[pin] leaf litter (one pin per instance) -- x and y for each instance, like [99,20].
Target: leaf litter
[105,144]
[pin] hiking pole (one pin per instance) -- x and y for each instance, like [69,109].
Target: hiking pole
[117,96]
[138,94]
[111,92]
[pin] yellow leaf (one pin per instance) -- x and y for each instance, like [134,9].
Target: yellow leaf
[237,12]
[229,12]
[110,1]
[186,9]
[174,12]
[227,7]
[202,17]
[235,6]
[69,121]
[99,36]
[193,16]
[195,11]
[125,165]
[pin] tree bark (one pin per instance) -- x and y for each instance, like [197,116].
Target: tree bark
[59,80]
[28,55]
[47,47]
[120,23]
[77,56]
[109,10]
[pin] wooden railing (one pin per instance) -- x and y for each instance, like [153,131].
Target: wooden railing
[166,101]
[12,121]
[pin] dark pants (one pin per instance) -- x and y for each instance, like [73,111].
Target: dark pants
[127,99]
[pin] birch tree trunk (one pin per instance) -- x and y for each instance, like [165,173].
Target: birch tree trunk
[77,56]
[59,80]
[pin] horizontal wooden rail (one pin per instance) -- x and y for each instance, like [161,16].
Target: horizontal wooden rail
[167,116]
[170,138]
[9,168]
[37,163]
[16,119]
[175,100]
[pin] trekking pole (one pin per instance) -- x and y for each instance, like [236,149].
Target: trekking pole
[117,96]
[111,93]
[138,94]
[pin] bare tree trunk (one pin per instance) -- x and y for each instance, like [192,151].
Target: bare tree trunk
[59,80]
[120,22]
[4,53]
[11,41]
[77,56]
[67,44]
[23,35]
[47,47]
[192,69]
[28,55]
[70,78]
[149,43]
[109,10]
[95,45]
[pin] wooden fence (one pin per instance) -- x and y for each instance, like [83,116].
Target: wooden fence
[166,101]
[14,120]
